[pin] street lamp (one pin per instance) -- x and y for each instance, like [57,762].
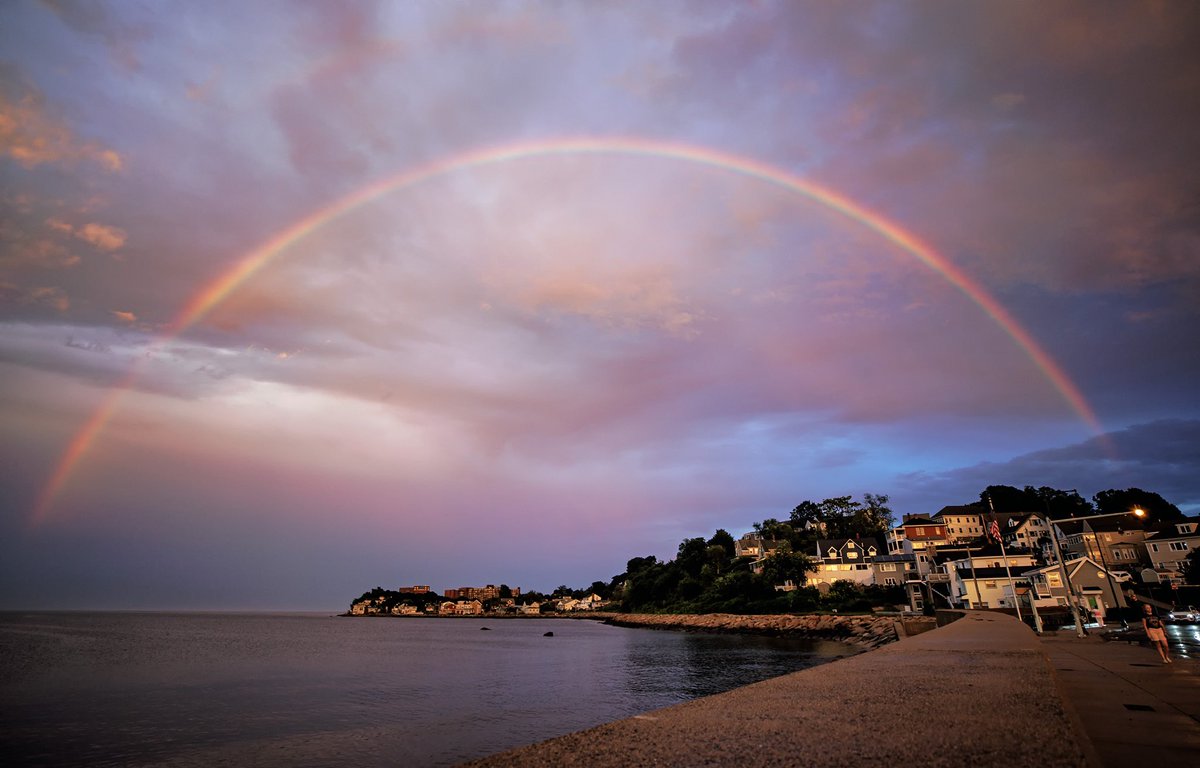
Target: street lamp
[1071,601]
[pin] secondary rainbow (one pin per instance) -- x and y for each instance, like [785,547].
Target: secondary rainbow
[228,282]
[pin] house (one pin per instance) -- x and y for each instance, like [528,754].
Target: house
[1116,542]
[1091,583]
[461,608]
[529,609]
[963,522]
[919,536]
[894,570]
[982,577]
[1168,547]
[754,545]
[1025,530]
[985,587]
[845,560]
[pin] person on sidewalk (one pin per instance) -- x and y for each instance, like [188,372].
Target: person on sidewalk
[1155,633]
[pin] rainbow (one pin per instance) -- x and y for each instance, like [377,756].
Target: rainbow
[228,282]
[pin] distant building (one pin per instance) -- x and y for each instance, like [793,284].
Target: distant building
[478,593]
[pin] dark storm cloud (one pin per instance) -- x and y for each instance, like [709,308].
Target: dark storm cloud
[1161,456]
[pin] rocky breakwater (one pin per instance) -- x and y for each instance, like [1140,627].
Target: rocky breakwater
[863,631]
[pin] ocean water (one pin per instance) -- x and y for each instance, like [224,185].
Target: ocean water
[134,689]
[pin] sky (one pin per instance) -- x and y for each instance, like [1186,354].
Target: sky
[301,298]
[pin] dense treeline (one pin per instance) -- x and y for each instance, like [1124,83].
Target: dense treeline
[706,576]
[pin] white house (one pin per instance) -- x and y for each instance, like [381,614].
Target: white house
[1172,544]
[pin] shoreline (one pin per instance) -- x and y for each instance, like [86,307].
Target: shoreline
[865,631]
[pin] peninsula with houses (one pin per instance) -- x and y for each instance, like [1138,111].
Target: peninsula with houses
[1043,555]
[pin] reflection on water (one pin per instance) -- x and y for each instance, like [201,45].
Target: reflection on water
[298,690]
[1184,640]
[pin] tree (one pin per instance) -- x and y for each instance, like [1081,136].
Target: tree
[718,559]
[806,513]
[638,564]
[692,555]
[1158,509]
[505,591]
[784,565]
[1058,504]
[722,538]
[600,589]
[873,517]
[837,514]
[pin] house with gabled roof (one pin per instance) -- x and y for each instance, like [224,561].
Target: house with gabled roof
[985,587]
[1116,541]
[1171,544]
[975,574]
[754,545]
[1090,581]
[848,559]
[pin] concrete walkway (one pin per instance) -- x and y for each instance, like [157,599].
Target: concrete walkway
[980,692]
[1132,709]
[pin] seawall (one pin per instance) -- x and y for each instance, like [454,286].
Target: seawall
[979,692]
[864,631]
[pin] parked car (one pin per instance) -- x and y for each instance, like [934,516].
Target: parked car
[1183,615]
[1120,576]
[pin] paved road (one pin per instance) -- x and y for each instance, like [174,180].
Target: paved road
[1132,709]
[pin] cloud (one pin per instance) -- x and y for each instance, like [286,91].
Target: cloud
[102,236]
[1161,456]
[124,317]
[31,136]
[49,296]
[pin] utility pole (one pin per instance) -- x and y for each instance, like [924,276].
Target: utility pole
[1071,602]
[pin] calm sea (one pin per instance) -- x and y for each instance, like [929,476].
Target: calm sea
[129,689]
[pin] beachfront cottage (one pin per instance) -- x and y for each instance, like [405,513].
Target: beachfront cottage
[405,610]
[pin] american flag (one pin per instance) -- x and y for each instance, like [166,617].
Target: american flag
[994,530]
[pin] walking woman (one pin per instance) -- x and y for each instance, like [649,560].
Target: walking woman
[1155,633]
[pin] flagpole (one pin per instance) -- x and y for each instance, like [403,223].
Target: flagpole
[995,530]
